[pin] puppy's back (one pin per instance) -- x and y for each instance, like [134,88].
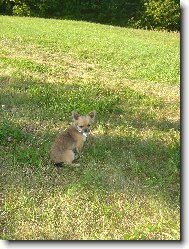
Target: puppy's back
[65,141]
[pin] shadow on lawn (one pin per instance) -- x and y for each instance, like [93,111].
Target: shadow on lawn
[109,163]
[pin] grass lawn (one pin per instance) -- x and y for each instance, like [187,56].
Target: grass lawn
[127,186]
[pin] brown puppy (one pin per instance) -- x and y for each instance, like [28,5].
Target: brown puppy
[70,142]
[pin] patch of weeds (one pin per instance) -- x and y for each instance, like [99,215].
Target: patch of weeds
[30,156]
[11,134]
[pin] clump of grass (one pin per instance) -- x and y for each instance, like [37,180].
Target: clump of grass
[128,184]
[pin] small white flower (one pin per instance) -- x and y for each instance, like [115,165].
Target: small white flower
[13,110]
[9,139]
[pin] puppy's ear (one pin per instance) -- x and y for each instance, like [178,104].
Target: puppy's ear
[92,115]
[75,115]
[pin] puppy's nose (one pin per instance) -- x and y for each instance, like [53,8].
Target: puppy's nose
[85,130]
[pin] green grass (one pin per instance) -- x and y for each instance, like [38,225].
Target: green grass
[127,186]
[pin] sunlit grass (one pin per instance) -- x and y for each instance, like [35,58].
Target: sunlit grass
[128,184]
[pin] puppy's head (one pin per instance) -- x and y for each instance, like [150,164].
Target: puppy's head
[83,123]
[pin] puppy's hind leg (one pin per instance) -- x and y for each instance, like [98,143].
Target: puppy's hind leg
[68,157]
[65,159]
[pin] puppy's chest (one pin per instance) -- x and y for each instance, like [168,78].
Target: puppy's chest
[81,138]
[84,138]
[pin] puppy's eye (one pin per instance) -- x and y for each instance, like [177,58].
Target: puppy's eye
[81,126]
[88,125]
